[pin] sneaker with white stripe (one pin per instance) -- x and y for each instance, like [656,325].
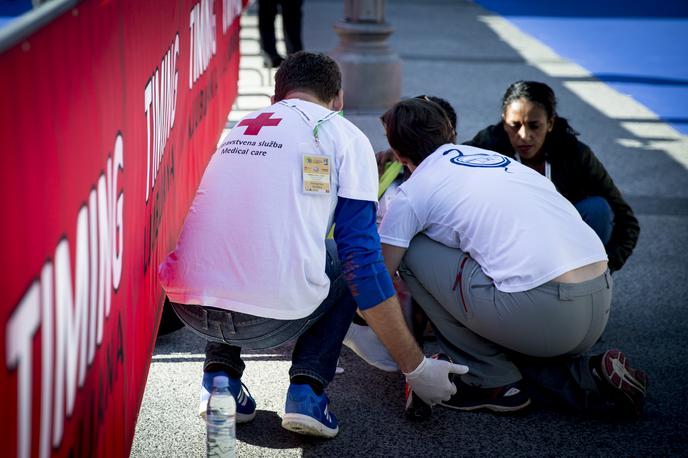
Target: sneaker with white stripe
[308,413]
[504,399]
[246,405]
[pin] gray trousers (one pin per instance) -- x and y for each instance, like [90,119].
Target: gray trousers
[539,335]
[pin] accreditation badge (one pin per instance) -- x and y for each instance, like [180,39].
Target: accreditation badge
[316,174]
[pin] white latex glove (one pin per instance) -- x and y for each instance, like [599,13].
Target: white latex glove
[430,380]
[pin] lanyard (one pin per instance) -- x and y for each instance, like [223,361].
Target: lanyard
[322,121]
[548,167]
[307,119]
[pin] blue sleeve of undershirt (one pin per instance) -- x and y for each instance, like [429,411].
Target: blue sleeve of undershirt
[358,245]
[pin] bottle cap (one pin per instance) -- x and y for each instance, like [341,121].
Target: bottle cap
[221,381]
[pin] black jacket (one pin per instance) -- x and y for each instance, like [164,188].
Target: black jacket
[577,174]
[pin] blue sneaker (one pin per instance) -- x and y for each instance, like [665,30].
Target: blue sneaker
[246,405]
[307,413]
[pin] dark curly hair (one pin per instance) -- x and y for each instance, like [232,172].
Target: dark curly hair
[416,128]
[446,106]
[312,72]
[542,95]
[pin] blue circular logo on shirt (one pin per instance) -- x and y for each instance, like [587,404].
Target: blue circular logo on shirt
[478,160]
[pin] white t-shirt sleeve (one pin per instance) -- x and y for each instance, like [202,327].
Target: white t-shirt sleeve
[400,223]
[357,170]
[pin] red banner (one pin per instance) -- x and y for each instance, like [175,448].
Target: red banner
[108,116]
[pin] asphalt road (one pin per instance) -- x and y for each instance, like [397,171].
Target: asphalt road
[460,51]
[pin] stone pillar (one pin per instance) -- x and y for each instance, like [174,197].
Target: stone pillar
[371,71]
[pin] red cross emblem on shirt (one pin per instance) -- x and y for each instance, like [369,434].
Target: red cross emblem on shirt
[254,125]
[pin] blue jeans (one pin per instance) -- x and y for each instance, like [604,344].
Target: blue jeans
[319,335]
[597,213]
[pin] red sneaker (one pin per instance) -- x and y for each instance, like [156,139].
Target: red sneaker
[627,385]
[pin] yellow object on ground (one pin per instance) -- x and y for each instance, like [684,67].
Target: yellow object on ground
[392,171]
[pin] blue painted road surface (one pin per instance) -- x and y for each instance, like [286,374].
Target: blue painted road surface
[638,48]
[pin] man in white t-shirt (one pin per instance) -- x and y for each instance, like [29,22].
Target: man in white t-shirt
[506,270]
[252,267]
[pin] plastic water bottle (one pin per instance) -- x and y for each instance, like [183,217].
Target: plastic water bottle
[221,420]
